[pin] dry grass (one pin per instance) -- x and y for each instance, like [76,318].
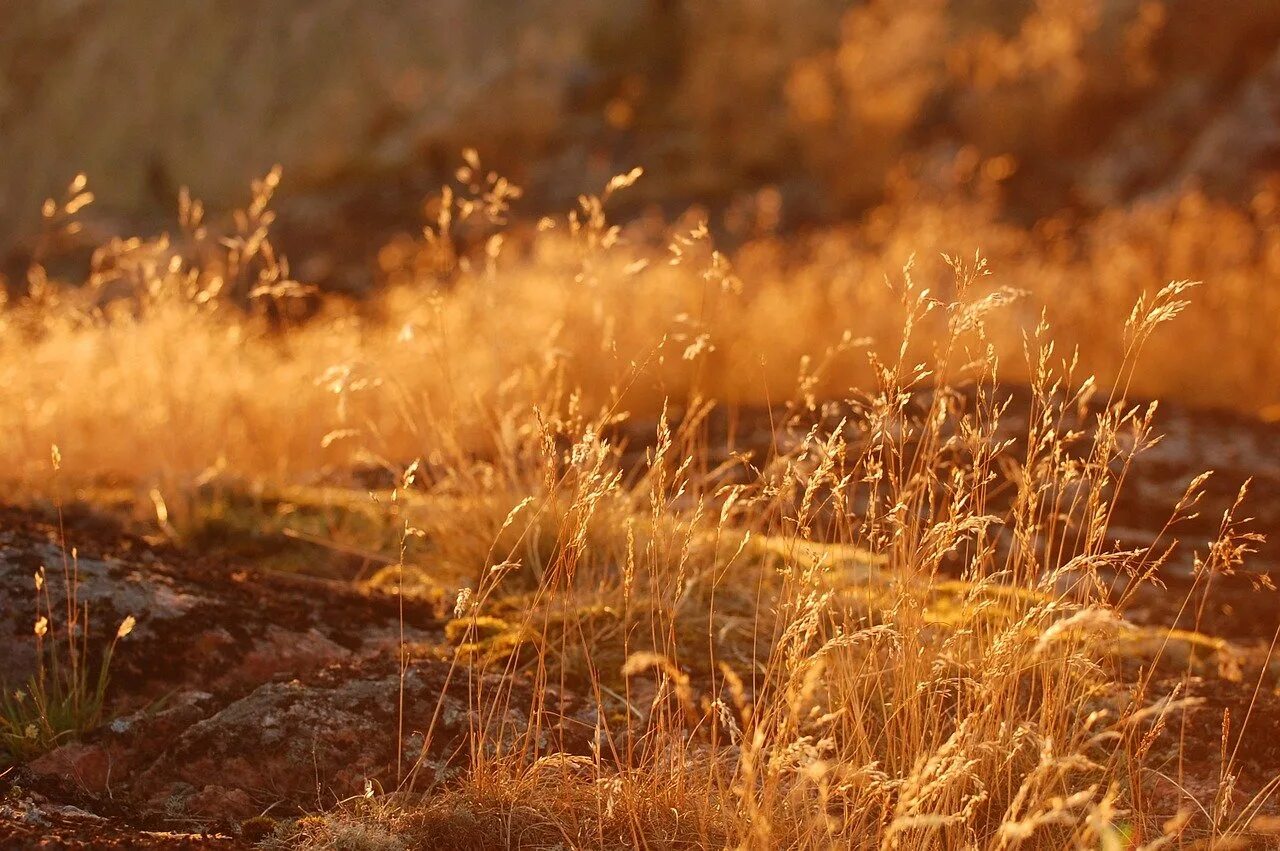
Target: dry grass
[885,625]
[154,375]
[772,517]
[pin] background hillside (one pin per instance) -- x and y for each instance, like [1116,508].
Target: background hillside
[1073,104]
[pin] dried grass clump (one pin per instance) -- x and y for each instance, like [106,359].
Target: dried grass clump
[855,643]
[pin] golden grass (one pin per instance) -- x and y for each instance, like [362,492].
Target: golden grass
[151,379]
[885,624]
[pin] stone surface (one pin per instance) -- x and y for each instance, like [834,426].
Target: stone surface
[200,625]
[86,765]
[240,691]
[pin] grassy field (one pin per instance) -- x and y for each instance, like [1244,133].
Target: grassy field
[826,582]
[826,537]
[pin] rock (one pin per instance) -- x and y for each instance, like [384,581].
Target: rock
[281,651]
[241,690]
[111,588]
[199,626]
[221,804]
[333,732]
[88,766]
[141,737]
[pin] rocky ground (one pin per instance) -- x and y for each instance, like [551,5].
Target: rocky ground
[241,693]
[246,695]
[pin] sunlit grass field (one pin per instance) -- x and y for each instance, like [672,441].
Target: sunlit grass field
[774,512]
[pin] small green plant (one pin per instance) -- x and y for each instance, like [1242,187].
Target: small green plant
[65,696]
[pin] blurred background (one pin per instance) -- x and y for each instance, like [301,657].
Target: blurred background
[785,115]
